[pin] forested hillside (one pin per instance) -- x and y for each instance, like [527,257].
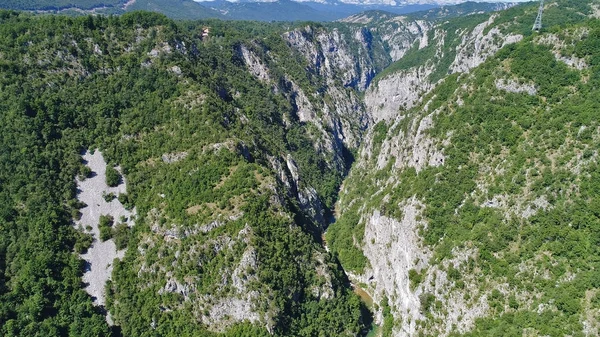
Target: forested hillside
[475,212]
[457,160]
[59,4]
[174,9]
[198,138]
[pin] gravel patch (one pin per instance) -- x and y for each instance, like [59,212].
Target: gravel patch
[101,255]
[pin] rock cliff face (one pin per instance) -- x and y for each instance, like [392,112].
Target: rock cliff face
[437,284]
[398,92]
[401,90]
[342,61]
[398,33]
[343,53]
[477,45]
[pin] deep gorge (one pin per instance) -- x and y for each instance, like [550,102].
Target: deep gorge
[461,172]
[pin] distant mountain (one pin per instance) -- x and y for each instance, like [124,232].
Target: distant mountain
[289,10]
[347,9]
[398,3]
[59,4]
[176,9]
[461,9]
[283,10]
[264,10]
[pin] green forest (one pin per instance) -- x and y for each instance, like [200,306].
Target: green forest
[71,84]
[234,190]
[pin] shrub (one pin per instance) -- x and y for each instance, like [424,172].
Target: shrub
[113,177]
[121,236]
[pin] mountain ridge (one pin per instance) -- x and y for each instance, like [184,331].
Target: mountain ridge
[284,10]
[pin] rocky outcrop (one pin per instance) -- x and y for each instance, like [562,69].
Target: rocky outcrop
[169,158]
[477,45]
[397,93]
[335,56]
[325,291]
[393,248]
[559,47]
[415,148]
[231,300]
[401,90]
[241,307]
[515,87]
[304,109]
[401,34]
[255,65]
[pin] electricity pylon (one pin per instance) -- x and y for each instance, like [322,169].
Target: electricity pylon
[537,26]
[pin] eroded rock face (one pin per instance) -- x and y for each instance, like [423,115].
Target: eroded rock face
[393,248]
[101,255]
[401,34]
[392,244]
[231,310]
[559,46]
[255,65]
[330,53]
[513,86]
[232,299]
[397,93]
[242,307]
[413,149]
[402,90]
[398,33]
[477,45]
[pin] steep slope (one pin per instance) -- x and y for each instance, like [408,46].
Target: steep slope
[457,46]
[475,211]
[234,139]
[217,165]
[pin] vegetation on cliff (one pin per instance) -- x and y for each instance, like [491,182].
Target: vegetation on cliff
[516,192]
[193,132]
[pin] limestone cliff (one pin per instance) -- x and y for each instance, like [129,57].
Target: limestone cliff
[455,179]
